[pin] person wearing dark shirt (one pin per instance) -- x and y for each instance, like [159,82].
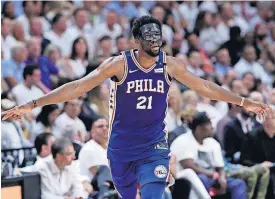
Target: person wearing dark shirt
[259,148]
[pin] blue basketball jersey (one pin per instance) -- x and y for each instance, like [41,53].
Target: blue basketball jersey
[138,105]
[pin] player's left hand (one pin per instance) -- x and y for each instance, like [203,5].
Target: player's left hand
[262,110]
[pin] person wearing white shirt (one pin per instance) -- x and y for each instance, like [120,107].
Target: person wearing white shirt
[7,40]
[109,28]
[59,35]
[197,150]
[94,152]
[59,177]
[27,90]
[69,123]
[189,9]
[248,63]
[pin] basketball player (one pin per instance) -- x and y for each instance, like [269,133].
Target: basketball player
[140,80]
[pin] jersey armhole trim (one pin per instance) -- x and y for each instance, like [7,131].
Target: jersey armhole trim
[167,76]
[125,69]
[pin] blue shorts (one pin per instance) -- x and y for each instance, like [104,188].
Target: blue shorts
[127,175]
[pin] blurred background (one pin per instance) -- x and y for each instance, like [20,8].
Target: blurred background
[45,44]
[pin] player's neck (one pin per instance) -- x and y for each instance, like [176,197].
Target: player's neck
[144,59]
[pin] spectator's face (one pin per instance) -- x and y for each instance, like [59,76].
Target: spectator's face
[53,115]
[249,81]
[47,149]
[106,47]
[68,156]
[227,11]
[99,131]
[35,78]
[158,13]
[122,44]
[36,27]
[9,9]
[193,41]
[237,87]
[18,32]
[223,57]
[256,96]
[250,54]
[81,18]
[34,48]
[177,41]
[21,55]
[111,18]
[6,27]
[81,47]
[54,55]
[30,8]
[271,97]
[73,108]
[207,129]
[61,24]
[269,124]
[195,60]
[208,19]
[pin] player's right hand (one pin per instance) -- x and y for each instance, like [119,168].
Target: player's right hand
[17,112]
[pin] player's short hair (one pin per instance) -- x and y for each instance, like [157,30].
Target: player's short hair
[142,21]
[28,70]
[60,145]
[40,140]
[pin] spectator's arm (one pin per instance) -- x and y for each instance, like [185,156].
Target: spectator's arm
[189,163]
[52,67]
[221,172]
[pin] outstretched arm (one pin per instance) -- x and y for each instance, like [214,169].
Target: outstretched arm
[211,90]
[74,89]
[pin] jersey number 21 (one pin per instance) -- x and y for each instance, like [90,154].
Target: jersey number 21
[144,102]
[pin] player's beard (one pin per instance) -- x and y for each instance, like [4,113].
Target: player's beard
[146,46]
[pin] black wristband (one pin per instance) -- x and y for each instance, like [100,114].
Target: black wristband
[34,103]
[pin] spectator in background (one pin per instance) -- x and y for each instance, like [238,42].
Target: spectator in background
[223,63]
[94,153]
[229,77]
[29,12]
[177,43]
[235,133]
[12,136]
[8,10]
[258,148]
[45,121]
[198,151]
[79,57]
[58,34]
[109,27]
[7,40]
[68,121]
[36,30]
[18,32]
[195,61]
[121,44]
[248,63]
[46,66]
[43,145]
[104,49]
[59,177]
[235,44]
[248,80]
[12,69]
[28,90]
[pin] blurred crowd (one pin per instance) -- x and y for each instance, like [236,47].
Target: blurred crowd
[45,44]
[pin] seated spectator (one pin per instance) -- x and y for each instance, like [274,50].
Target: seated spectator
[28,90]
[43,145]
[79,57]
[59,177]
[47,67]
[258,148]
[248,80]
[223,63]
[248,63]
[12,69]
[235,133]
[68,121]
[121,44]
[195,61]
[45,121]
[7,39]
[197,150]
[12,136]
[94,152]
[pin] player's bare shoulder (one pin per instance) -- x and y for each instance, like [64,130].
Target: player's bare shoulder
[174,66]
